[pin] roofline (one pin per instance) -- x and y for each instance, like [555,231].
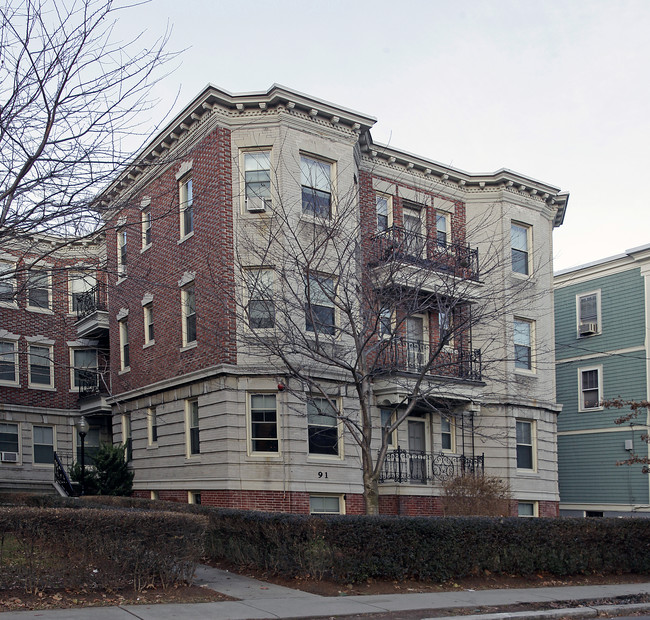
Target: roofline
[627,254]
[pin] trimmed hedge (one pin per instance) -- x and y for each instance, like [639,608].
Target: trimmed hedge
[355,548]
[62,548]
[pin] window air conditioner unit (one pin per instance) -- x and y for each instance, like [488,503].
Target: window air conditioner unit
[586,329]
[9,457]
[255,204]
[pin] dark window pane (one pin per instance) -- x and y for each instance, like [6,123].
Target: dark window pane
[261,313]
[522,357]
[323,440]
[520,261]
[320,319]
[524,457]
[316,202]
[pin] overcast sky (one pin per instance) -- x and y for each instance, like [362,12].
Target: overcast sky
[554,89]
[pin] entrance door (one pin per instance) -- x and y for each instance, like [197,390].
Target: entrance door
[413,232]
[417,451]
[416,343]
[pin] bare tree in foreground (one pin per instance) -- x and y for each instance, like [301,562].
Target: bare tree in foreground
[72,97]
[337,312]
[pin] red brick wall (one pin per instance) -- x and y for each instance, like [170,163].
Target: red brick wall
[58,326]
[157,270]
[409,505]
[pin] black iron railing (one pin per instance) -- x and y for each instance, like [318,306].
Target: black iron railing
[414,356]
[421,468]
[91,301]
[397,243]
[63,479]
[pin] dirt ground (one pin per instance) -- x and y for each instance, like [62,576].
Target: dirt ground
[64,599]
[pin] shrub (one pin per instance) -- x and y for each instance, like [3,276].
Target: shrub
[110,474]
[487,496]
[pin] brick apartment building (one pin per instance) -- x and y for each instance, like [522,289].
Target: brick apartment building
[231,244]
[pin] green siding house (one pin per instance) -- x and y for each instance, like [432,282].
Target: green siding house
[601,340]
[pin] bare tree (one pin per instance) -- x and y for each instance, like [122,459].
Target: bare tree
[72,96]
[338,310]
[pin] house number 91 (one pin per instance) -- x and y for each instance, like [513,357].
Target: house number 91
[322,474]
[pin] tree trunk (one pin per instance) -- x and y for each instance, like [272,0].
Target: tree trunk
[371,493]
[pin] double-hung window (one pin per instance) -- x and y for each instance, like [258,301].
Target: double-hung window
[9,444]
[590,388]
[323,427]
[263,423]
[387,418]
[38,289]
[519,242]
[525,445]
[125,352]
[84,370]
[383,211]
[8,362]
[7,282]
[148,323]
[442,229]
[79,286]
[146,228]
[447,434]
[261,305]
[187,206]
[414,226]
[588,307]
[523,338]
[188,297]
[316,181]
[193,435]
[257,180]
[319,311]
[152,426]
[121,252]
[43,442]
[40,366]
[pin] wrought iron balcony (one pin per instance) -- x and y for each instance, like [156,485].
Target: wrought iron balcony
[397,243]
[413,356]
[91,301]
[421,468]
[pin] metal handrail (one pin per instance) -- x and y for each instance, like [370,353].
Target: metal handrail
[91,301]
[62,479]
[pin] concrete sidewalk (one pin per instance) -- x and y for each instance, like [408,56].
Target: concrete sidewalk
[264,600]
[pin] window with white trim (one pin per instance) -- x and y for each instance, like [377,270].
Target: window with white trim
[152,426]
[188,302]
[8,362]
[445,327]
[43,443]
[194,497]
[146,228]
[588,311]
[523,341]
[520,242]
[38,289]
[316,182]
[148,323]
[125,352]
[447,434]
[323,427]
[326,505]
[192,426]
[591,394]
[79,285]
[9,443]
[526,445]
[442,228]
[121,252]
[387,418]
[7,282]
[186,205]
[263,424]
[260,305]
[527,509]
[40,366]
[319,309]
[127,438]
[257,180]
[383,206]
[385,322]
[85,377]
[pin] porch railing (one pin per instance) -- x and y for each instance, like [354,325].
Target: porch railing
[91,301]
[403,466]
[397,243]
[413,356]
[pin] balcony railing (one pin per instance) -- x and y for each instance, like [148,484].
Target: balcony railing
[421,468]
[397,243]
[413,356]
[91,301]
